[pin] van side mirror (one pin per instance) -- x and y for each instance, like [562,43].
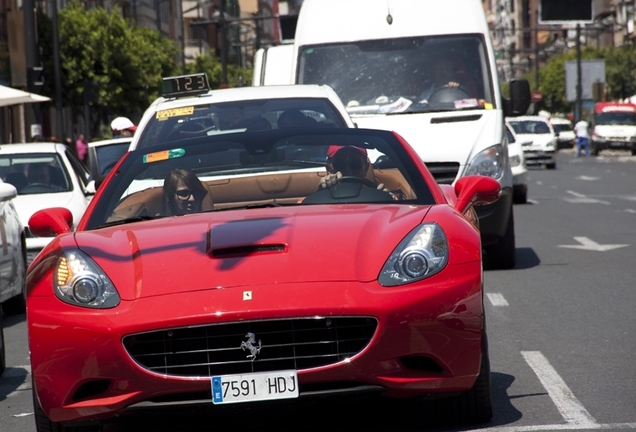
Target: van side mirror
[519,100]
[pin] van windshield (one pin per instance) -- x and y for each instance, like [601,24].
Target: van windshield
[404,75]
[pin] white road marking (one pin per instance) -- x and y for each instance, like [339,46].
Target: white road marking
[587,244]
[568,405]
[554,427]
[497,299]
[582,199]
[588,178]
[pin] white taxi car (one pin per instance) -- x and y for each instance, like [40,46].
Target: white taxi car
[189,109]
[539,141]
[45,175]
[518,167]
[566,137]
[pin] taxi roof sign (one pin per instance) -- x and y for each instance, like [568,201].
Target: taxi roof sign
[185,85]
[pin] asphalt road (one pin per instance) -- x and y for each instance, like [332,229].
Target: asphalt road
[561,325]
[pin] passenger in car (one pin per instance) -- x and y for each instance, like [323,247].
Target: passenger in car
[183,193]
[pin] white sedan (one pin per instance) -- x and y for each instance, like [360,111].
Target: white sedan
[45,175]
[12,256]
[518,167]
[539,141]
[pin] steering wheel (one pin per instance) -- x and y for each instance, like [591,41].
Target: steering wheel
[36,188]
[355,179]
[448,94]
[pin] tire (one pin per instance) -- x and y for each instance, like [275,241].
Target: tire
[475,405]
[501,255]
[3,357]
[520,195]
[43,424]
[17,304]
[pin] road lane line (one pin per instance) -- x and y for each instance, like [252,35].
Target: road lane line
[568,405]
[497,299]
[556,427]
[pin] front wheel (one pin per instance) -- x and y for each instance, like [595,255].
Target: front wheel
[501,255]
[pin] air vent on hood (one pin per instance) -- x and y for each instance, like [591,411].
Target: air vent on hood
[455,119]
[247,250]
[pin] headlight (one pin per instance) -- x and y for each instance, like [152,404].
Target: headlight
[599,138]
[421,254]
[490,162]
[515,161]
[78,280]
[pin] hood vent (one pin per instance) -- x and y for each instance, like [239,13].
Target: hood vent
[455,119]
[247,250]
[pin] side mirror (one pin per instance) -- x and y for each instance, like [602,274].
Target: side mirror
[476,190]
[91,188]
[7,191]
[519,100]
[51,222]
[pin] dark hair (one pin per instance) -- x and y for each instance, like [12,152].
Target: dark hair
[189,179]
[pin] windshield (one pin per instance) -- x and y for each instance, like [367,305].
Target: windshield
[261,169]
[213,119]
[402,75]
[35,173]
[530,127]
[561,127]
[616,118]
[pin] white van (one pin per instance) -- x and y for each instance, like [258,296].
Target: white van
[381,57]
[272,65]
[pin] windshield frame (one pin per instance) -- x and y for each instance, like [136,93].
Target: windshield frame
[259,148]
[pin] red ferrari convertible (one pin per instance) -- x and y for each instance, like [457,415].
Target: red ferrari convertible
[248,266]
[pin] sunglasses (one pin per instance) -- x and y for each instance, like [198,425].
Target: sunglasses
[185,194]
[352,164]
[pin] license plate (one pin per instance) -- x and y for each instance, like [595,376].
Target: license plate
[254,387]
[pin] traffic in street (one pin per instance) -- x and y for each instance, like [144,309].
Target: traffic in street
[560,328]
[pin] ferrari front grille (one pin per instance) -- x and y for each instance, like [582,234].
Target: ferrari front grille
[254,346]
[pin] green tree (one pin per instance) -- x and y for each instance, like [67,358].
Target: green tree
[126,62]
[212,66]
[620,82]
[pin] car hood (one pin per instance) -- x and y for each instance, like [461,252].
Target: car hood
[614,130]
[443,136]
[245,248]
[26,205]
[535,139]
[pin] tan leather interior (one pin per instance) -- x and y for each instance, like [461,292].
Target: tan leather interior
[280,188]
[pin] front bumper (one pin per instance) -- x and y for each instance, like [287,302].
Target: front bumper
[536,157]
[493,218]
[82,370]
[616,143]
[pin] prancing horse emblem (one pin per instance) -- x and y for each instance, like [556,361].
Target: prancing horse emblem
[250,345]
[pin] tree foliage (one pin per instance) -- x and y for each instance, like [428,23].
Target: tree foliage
[211,65]
[126,62]
[620,63]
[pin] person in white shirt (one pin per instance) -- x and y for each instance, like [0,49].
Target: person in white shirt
[582,138]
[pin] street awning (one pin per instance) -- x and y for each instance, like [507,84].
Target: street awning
[12,96]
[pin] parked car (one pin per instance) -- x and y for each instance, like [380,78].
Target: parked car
[566,137]
[518,166]
[104,154]
[12,254]
[539,141]
[45,175]
[267,278]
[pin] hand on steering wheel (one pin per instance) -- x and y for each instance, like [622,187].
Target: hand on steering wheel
[333,179]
